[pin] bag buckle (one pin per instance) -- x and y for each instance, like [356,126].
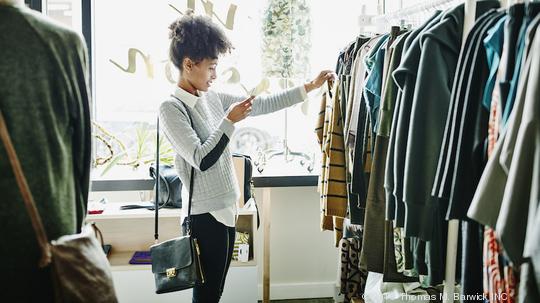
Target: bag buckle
[187,221]
[171,272]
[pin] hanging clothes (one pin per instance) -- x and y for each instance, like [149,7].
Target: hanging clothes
[388,115]
[354,135]
[528,155]
[491,191]
[333,178]
[358,135]
[511,225]
[465,88]
[396,256]
[373,246]
[513,25]
[321,131]
[405,78]
[421,118]
[531,11]
[375,225]
[487,206]
[468,124]
[504,74]
[374,62]
[493,44]
[352,278]
[437,64]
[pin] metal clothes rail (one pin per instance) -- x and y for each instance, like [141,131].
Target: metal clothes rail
[414,14]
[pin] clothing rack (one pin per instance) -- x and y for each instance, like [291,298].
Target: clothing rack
[410,14]
[414,15]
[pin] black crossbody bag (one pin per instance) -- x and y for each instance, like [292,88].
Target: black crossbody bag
[175,263]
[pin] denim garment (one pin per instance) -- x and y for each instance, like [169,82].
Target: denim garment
[532,10]
[493,44]
[373,85]
[512,27]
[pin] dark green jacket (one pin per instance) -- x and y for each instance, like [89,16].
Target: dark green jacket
[44,99]
[440,46]
[405,79]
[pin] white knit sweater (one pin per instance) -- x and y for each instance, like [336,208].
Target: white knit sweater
[215,188]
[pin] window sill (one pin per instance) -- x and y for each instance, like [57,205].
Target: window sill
[285,181]
[148,184]
[122,185]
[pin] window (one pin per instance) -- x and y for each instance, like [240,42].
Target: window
[133,75]
[67,12]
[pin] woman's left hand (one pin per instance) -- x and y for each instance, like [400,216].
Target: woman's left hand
[319,80]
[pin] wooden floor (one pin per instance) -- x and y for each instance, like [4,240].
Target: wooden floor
[320,300]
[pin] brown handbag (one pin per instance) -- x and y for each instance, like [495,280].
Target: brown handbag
[80,270]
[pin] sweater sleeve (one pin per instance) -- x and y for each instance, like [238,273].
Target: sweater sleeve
[267,104]
[184,140]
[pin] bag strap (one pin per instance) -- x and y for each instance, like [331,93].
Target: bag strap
[26,194]
[156,205]
[153,172]
[191,180]
[151,207]
[188,219]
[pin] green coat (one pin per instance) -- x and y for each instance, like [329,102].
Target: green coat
[440,46]
[44,99]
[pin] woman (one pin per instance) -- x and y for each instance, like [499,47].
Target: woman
[199,124]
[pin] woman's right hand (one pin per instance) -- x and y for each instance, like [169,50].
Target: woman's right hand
[239,111]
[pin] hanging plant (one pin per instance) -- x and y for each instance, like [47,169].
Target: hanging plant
[286,39]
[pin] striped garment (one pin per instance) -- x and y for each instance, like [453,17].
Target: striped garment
[321,129]
[333,185]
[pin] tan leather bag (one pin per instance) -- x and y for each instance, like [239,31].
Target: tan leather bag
[80,270]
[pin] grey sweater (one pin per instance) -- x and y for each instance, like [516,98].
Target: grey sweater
[215,187]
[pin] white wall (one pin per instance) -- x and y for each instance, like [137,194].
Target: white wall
[303,258]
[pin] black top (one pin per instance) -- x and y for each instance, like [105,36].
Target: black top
[470,127]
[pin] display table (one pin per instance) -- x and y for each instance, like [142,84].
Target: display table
[266,183]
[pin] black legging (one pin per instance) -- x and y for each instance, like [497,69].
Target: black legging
[216,242]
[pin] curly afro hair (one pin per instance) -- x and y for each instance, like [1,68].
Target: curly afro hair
[197,38]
